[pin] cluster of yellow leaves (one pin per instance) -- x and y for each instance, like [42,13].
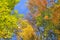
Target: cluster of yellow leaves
[3,6]
[5,34]
[56,18]
[27,30]
[56,15]
[8,22]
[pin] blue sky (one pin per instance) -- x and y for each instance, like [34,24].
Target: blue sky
[21,7]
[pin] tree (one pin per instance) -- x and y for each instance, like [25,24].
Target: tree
[8,20]
[56,19]
[44,16]
[25,31]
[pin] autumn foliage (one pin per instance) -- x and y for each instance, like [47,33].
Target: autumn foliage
[41,23]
